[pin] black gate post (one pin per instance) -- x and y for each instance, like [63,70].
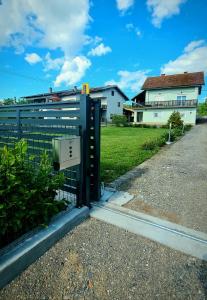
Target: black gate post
[85,115]
[96,184]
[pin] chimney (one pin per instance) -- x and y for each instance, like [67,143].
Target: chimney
[163,74]
[50,90]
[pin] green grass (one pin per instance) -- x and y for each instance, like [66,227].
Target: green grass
[121,149]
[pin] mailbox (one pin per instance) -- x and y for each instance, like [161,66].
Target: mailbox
[66,152]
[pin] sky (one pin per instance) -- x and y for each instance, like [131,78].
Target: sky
[64,43]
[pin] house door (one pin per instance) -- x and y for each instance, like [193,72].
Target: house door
[139,116]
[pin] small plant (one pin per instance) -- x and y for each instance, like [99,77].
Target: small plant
[149,145]
[187,127]
[119,120]
[175,120]
[27,192]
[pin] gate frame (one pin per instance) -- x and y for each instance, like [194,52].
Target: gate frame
[88,185]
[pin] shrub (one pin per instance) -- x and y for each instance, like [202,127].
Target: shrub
[119,120]
[149,145]
[175,120]
[188,127]
[27,193]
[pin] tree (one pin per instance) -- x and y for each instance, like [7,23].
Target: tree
[175,120]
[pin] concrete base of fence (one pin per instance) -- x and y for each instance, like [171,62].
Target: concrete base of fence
[20,257]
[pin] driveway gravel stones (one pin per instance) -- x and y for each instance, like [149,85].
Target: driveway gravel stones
[100,261]
[173,183]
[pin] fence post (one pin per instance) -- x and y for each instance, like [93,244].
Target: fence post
[85,115]
[96,191]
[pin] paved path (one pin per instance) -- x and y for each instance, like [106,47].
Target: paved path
[98,261]
[173,183]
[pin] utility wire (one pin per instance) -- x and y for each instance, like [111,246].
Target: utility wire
[23,76]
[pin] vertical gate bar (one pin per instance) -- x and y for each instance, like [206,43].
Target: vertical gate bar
[85,153]
[18,123]
[97,152]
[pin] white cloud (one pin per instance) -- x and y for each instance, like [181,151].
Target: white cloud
[194,44]
[124,5]
[52,64]
[130,80]
[72,70]
[193,58]
[162,9]
[32,58]
[131,27]
[100,50]
[59,24]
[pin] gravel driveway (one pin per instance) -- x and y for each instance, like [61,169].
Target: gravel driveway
[100,261]
[173,183]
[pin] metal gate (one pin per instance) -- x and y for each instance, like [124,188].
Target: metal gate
[40,123]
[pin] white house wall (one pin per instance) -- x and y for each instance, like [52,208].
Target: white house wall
[171,94]
[161,116]
[108,99]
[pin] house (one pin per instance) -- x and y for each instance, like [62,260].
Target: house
[165,94]
[111,97]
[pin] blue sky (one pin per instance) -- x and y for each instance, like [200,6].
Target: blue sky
[65,43]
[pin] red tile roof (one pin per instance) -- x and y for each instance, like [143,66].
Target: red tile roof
[177,80]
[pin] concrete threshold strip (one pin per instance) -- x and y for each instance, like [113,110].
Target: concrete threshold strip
[19,257]
[172,235]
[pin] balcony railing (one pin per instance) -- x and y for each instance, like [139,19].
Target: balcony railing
[171,103]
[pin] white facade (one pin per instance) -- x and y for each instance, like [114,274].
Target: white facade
[191,93]
[159,115]
[111,101]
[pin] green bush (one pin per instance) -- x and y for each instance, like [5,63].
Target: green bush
[149,145]
[188,127]
[119,120]
[27,193]
[175,120]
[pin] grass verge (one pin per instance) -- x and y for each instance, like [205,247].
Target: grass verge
[122,149]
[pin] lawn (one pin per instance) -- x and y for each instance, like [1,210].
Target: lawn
[121,149]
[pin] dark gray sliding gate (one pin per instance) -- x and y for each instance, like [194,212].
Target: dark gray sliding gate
[40,123]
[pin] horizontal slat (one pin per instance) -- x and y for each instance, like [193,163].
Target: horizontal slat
[51,122]
[8,134]
[70,189]
[38,136]
[46,129]
[4,128]
[8,139]
[8,114]
[38,152]
[8,121]
[41,106]
[41,144]
[51,113]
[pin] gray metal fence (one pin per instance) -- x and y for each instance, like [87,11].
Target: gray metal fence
[40,123]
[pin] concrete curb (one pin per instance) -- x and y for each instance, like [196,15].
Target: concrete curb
[20,257]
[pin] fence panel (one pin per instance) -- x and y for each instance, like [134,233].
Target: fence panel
[40,123]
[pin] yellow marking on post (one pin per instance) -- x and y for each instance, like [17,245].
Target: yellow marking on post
[85,89]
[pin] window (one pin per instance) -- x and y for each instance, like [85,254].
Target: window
[112,93]
[118,104]
[181,98]
[155,115]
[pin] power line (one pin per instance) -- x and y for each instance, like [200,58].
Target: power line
[23,76]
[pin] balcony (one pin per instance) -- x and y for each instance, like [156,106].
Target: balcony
[168,104]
